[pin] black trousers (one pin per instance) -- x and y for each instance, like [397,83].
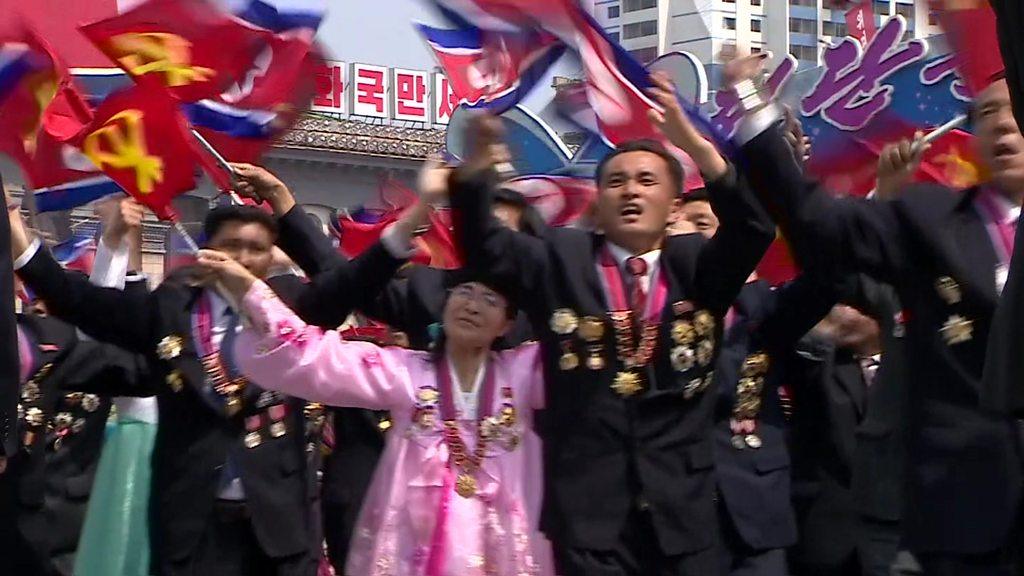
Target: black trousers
[737,558]
[229,547]
[637,553]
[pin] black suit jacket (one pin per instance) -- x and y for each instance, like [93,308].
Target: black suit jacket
[931,244]
[8,343]
[193,441]
[48,482]
[754,484]
[1009,19]
[829,402]
[604,453]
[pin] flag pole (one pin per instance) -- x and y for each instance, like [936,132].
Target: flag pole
[216,155]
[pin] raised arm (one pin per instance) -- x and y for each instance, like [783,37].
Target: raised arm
[725,262]
[107,314]
[281,352]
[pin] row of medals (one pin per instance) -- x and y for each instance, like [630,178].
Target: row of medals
[627,383]
[63,422]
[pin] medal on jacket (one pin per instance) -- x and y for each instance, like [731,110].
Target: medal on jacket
[465,462]
[217,362]
[633,350]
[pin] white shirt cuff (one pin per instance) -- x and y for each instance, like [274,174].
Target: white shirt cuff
[397,244]
[110,267]
[28,254]
[751,126]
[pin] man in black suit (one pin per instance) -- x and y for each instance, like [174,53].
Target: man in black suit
[829,374]
[1002,388]
[230,481]
[629,485]
[946,254]
[8,349]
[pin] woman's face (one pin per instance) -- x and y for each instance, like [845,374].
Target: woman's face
[475,315]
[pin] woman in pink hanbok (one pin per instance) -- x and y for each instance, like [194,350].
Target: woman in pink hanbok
[457,491]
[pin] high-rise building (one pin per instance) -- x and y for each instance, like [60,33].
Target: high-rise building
[707,28]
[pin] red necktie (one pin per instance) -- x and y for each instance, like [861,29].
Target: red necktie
[637,268]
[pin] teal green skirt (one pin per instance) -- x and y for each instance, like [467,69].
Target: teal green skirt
[115,538]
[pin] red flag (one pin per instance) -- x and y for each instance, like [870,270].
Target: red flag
[243,122]
[860,22]
[190,47]
[970,27]
[29,76]
[141,140]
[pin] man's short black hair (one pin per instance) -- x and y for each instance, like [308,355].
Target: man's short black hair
[696,195]
[675,169]
[530,220]
[222,215]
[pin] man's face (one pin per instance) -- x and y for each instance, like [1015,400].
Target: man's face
[999,140]
[510,215]
[249,243]
[699,214]
[635,196]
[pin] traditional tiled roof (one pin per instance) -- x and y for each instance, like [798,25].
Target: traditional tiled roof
[357,137]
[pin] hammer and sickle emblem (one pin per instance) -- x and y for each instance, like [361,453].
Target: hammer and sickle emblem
[159,53]
[121,144]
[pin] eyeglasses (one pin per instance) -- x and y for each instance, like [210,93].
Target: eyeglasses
[471,294]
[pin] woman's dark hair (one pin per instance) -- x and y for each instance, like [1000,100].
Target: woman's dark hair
[675,169]
[222,215]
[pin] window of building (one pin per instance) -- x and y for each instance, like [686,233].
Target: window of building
[639,29]
[882,7]
[803,26]
[729,23]
[813,3]
[756,49]
[933,19]
[644,55]
[613,11]
[755,2]
[614,36]
[836,29]
[805,53]
[755,24]
[634,5]
[906,10]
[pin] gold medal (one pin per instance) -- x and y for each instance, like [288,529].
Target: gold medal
[948,290]
[170,347]
[753,440]
[957,330]
[703,323]
[34,416]
[705,351]
[384,425]
[683,333]
[568,361]
[626,384]
[234,405]
[30,392]
[278,429]
[563,321]
[595,362]
[465,485]
[175,381]
[738,442]
[252,440]
[591,329]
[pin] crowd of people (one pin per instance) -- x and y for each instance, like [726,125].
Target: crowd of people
[622,399]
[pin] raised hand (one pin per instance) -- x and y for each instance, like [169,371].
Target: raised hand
[258,184]
[220,269]
[677,128]
[432,181]
[747,68]
[485,134]
[897,165]
[120,217]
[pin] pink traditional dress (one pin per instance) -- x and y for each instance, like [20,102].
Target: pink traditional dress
[458,489]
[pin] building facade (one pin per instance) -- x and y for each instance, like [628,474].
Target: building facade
[710,28]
